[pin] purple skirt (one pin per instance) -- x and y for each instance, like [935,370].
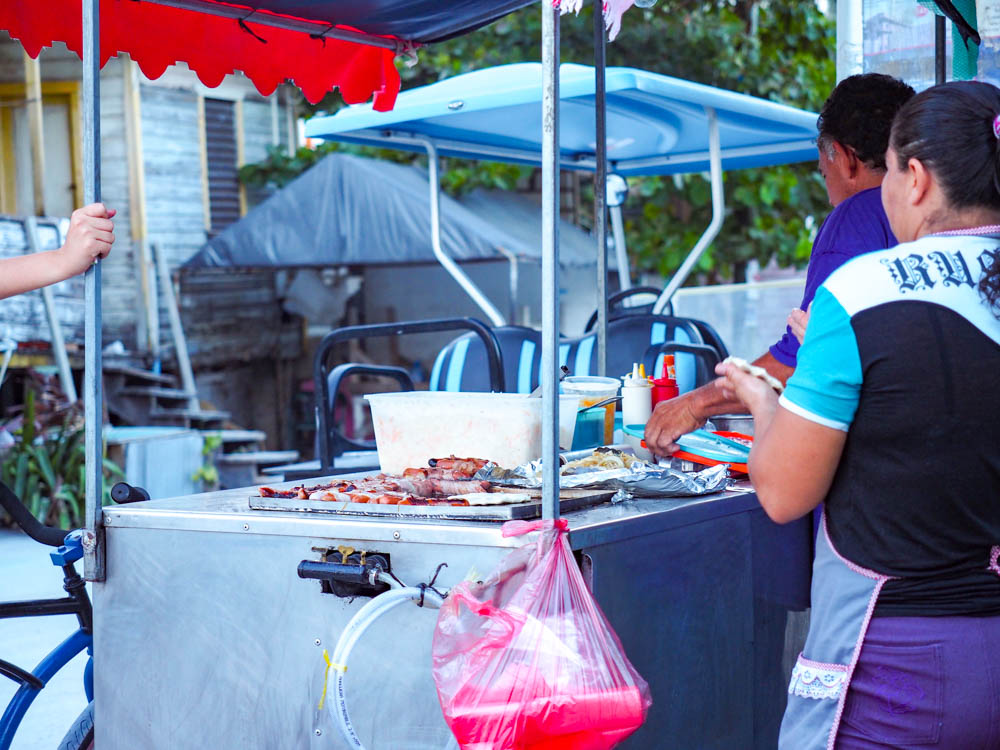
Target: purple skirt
[925,682]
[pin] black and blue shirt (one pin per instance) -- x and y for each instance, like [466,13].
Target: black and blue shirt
[903,353]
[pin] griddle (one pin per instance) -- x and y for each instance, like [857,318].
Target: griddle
[569,500]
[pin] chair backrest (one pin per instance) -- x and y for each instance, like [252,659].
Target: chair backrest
[461,364]
[711,337]
[629,338]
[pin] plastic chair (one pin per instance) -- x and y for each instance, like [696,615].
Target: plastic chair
[461,364]
[330,439]
[629,338]
[617,310]
[706,357]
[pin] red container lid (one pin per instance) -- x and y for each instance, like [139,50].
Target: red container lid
[669,376]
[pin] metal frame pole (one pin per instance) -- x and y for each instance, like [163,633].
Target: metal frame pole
[940,54]
[621,248]
[850,38]
[601,188]
[718,214]
[48,299]
[453,269]
[93,538]
[550,261]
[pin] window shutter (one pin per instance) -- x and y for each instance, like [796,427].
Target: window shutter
[220,148]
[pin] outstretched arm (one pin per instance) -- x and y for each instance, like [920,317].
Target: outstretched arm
[90,236]
[683,414]
[793,460]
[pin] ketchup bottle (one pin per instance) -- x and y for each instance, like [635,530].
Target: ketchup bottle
[665,387]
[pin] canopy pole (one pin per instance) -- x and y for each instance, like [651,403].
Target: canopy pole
[850,38]
[453,269]
[601,187]
[48,299]
[549,375]
[513,282]
[940,54]
[93,537]
[718,211]
[621,248]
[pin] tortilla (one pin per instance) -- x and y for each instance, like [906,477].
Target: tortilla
[757,372]
[493,498]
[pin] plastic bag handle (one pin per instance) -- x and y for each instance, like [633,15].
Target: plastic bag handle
[520,528]
[489,610]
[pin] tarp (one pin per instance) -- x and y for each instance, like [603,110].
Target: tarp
[349,210]
[521,216]
[656,124]
[157,36]
[420,21]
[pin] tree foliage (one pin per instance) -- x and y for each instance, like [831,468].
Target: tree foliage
[775,50]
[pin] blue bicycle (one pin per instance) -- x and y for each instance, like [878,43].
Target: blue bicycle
[68,550]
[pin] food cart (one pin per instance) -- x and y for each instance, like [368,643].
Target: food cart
[210,631]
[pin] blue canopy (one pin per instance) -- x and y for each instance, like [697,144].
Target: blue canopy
[414,20]
[656,124]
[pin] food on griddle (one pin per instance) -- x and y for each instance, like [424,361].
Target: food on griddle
[443,483]
[466,466]
[492,498]
[601,459]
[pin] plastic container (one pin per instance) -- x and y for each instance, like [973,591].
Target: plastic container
[637,406]
[505,428]
[597,426]
[665,387]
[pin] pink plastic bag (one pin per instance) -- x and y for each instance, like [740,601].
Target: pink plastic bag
[526,659]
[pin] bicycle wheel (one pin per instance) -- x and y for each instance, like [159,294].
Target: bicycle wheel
[81,735]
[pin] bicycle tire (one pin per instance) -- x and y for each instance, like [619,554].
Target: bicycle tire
[81,735]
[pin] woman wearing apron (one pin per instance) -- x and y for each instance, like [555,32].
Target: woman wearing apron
[893,419]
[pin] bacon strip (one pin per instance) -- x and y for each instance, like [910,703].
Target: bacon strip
[423,486]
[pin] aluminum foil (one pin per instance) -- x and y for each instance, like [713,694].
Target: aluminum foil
[640,480]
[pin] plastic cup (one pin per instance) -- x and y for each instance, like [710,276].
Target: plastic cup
[597,426]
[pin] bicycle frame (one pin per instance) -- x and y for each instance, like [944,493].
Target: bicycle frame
[56,659]
[77,603]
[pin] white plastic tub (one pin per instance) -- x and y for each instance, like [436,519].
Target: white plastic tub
[501,427]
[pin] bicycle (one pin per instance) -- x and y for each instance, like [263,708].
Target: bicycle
[69,549]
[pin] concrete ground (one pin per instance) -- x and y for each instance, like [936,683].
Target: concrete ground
[27,573]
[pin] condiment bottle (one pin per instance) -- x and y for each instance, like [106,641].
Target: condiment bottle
[665,387]
[637,406]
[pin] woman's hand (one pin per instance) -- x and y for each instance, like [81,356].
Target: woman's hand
[757,396]
[798,320]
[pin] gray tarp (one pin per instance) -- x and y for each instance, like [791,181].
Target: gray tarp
[348,210]
[521,216]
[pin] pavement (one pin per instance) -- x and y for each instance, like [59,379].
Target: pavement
[27,573]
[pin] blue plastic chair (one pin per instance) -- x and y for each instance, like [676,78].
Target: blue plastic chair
[461,364]
[629,339]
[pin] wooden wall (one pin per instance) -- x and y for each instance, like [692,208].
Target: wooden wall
[224,317]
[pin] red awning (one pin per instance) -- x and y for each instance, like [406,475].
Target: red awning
[157,36]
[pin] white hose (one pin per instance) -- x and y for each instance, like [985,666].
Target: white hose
[354,629]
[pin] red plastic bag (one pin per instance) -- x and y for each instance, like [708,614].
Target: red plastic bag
[526,659]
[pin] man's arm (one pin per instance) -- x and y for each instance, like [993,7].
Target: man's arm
[90,236]
[683,414]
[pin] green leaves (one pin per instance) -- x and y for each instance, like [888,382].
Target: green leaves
[48,470]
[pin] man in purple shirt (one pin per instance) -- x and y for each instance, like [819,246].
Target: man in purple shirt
[853,129]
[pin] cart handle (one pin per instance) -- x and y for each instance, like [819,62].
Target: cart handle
[705,354]
[351,333]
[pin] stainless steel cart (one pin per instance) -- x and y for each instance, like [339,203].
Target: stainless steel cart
[207,638]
